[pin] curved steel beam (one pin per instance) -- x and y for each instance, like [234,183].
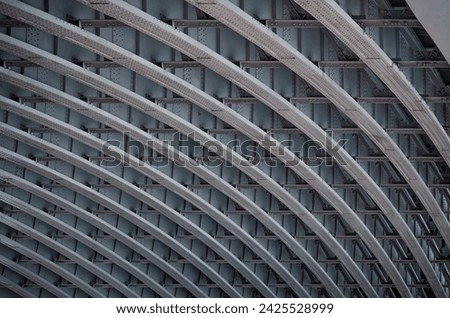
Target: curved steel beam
[63,250]
[180,41]
[335,19]
[162,179]
[114,232]
[47,60]
[360,227]
[264,38]
[149,70]
[248,27]
[163,148]
[44,262]
[25,272]
[122,185]
[117,182]
[114,207]
[78,235]
[7,283]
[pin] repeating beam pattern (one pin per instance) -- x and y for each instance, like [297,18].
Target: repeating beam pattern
[222,150]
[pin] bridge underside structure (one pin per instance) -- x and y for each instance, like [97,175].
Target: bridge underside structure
[217,148]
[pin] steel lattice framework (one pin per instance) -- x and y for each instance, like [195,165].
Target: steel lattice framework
[217,148]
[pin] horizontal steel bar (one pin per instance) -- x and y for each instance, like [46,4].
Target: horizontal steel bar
[205,23]
[33,99]
[401,64]
[382,23]
[99,64]
[352,186]
[19,63]
[310,100]
[243,212]
[100,100]
[101,23]
[239,100]
[226,100]
[171,100]
[261,64]
[184,23]
[181,64]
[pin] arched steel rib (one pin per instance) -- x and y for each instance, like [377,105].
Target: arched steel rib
[76,281]
[25,272]
[312,178]
[7,283]
[115,208]
[63,250]
[114,232]
[81,237]
[263,37]
[335,19]
[122,185]
[179,157]
[180,41]
[162,179]
[245,25]
[51,61]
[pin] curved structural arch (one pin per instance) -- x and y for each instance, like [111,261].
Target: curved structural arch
[107,228]
[124,186]
[77,234]
[15,288]
[115,208]
[245,25]
[146,69]
[36,235]
[64,273]
[331,15]
[380,231]
[354,221]
[159,177]
[171,153]
[59,65]
[32,276]
[183,43]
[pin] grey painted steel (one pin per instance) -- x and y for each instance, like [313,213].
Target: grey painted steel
[18,247]
[162,179]
[278,48]
[81,237]
[391,267]
[351,217]
[143,104]
[63,250]
[416,44]
[20,291]
[153,27]
[124,186]
[190,164]
[297,23]
[114,232]
[117,91]
[115,208]
[25,272]
[250,64]
[335,19]
[433,15]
